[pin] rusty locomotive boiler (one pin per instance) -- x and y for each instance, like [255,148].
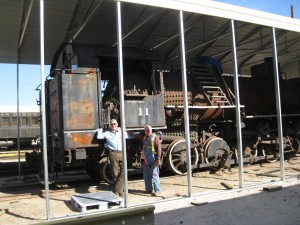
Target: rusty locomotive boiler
[82,95]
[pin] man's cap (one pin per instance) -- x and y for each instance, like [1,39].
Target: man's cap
[113,121]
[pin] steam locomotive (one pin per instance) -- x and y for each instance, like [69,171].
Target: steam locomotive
[82,95]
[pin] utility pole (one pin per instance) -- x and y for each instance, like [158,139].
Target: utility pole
[292,12]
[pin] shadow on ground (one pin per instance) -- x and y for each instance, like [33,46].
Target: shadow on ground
[274,207]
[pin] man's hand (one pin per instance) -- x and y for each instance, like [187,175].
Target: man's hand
[99,134]
[157,161]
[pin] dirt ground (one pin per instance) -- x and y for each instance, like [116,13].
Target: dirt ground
[27,204]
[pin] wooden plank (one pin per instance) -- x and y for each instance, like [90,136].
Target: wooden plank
[272,188]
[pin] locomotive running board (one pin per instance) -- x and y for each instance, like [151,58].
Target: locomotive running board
[235,161]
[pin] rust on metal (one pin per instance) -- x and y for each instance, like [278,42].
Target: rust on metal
[81,139]
[82,114]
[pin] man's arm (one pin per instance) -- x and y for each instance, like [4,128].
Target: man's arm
[132,134]
[157,145]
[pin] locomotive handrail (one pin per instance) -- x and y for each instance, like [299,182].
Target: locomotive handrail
[205,107]
[142,128]
[267,116]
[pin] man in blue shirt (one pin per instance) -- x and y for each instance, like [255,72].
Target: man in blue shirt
[114,145]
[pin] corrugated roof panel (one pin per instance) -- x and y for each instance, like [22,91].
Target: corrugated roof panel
[10,22]
[226,11]
[56,22]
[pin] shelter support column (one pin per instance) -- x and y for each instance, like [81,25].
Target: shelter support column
[185,103]
[18,118]
[237,104]
[278,103]
[121,97]
[45,158]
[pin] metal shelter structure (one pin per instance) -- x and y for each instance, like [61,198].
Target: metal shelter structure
[148,25]
[180,30]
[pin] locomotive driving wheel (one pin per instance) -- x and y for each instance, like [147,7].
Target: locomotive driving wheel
[93,168]
[216,151]
[105,170]
[296,145]
[176,157]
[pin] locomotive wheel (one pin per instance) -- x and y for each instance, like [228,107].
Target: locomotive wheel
[214,150]
[93,168]
[105,170]
[176,157]
[296,145]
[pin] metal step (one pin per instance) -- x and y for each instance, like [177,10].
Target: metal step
[218,96]
[209,82]
[211,90]
[210,85]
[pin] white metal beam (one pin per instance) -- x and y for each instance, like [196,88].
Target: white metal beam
[226,11]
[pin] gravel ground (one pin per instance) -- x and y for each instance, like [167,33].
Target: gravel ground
[27,205]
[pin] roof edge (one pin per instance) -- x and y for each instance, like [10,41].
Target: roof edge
[224,10]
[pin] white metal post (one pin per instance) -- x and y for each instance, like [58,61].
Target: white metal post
[45,158]
[278,103]
[18,119]
[238,105]
[121,97]
[185,103]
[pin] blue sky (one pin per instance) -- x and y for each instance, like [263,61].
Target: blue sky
[280,7]
[30,77]
[29,80]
